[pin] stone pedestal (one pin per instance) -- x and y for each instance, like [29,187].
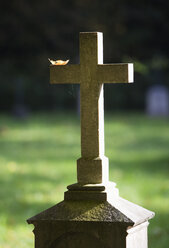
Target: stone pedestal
[92,216]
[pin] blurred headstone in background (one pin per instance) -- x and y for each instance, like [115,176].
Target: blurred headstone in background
[19,108]
[157,101]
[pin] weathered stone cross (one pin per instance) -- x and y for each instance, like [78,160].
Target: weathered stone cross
[91,73]
[92,213]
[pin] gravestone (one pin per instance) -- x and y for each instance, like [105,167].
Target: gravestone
[92,213]
[157,101]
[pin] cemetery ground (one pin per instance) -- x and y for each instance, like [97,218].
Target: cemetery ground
[38,160]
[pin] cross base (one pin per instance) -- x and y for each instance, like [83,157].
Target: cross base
[97,192]
[92,171]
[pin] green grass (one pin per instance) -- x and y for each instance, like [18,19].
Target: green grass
[38,160]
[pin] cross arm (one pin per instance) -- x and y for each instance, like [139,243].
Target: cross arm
[115,73]
[64,74]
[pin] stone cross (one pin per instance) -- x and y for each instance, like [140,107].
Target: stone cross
[91,73]
[92,213]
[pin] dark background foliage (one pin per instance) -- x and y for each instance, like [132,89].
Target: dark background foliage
[32,31]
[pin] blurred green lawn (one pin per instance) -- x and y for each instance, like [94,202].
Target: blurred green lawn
[38,160]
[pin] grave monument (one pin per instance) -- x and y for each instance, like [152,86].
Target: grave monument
[92,214]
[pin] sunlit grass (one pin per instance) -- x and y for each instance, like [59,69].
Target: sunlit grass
[38,160]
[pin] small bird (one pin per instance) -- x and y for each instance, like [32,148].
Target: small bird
[58,62]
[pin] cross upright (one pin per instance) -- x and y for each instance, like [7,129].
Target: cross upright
[91,73]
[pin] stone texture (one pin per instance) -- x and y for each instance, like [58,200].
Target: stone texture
[91,74]
[137,236]
[92,170]
[74,235]
[94,192]
[92,213]
[95,223]
[119,211]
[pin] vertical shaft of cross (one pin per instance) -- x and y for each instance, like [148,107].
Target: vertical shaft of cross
[92,122]
[92,113]
[92,167]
